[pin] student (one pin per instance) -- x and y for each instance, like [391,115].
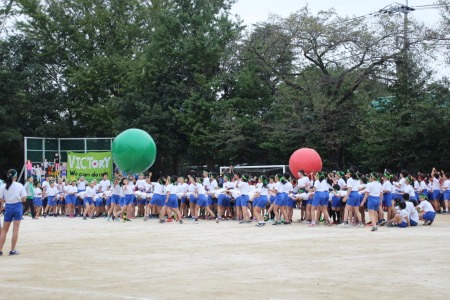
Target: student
[29,204]
[387,199]
[89,201]
[13,194]
[52,194]
[436,189]
[223,200]
[426,210]
[373,196]
[182,191]
[115,199]
[336,202]
[320,200]
[71,198]
[279,207]
[158,198]
[352,199]
[446,191]
[38,173]
[412,211]
[37,199]
[402,218]
[261,200]
[288,189]
[171,201]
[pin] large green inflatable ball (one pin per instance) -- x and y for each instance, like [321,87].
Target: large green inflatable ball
[134,151]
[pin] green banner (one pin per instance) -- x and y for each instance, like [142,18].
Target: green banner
[91,165]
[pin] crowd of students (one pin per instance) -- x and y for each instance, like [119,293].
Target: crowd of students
[332,198]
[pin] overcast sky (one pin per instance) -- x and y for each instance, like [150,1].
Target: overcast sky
[252,11]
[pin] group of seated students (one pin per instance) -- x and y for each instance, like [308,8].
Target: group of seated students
[332,198]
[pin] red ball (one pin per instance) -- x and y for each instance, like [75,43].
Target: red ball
[305,159]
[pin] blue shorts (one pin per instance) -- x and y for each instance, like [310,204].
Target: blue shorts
[320,199]
[353,199]
[98,202]
[115,199]
[279,199]
[158,200]
[244,200]
[13,212]
[51,201]
[142,201]
[238,201]
[37,201]
[403,224]
[272,199]
[336,201]
[436,194]
[373,203]
[429,216]
[261,201]
[88,201]
[172,202]
[128,199]
[412,223]
[446,195]
[183,199]
[202,201]
[71,199]
[193,199]
[387,199]
[223,200]
[122,201]
[210,200]
[108,201]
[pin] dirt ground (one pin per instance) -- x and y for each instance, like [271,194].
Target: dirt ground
[73,259]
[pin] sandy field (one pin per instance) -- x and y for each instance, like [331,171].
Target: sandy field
[75,259]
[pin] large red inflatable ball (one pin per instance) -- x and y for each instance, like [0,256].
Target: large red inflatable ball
[305,159]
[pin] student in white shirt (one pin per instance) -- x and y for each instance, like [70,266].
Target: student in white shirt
[373,196]
[13,194]
[352,199]
[402,218]
[426,210]
[445,187]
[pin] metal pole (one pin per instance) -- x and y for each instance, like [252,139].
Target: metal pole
[85,146]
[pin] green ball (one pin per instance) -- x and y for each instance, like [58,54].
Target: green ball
[134,151]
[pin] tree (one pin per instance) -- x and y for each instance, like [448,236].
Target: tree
[332,58]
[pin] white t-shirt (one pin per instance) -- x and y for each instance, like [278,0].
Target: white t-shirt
[214,185]
[105,185]
[90,192]
[446,185]
[228,185]
[402,183]
[45,185]
[423,187]
[374,188]
[287,188]
[14,194]
[141,184]
[263,191]
[71,189]
[353,184]
[172,189]
[279,187]
[426,206]
[436,185]
[206,184]
[323,186]
[200,189]
[404,214]
[341,183]
[158,188]
[182,188]
[409,190]
[81,185]
[129,188]
[37,193]
[52,191]
[243,187]
[303,183]
[413,214]
[116,189]
[387,186]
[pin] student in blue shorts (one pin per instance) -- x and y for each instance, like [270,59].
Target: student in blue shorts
[13,194]
[426,210]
